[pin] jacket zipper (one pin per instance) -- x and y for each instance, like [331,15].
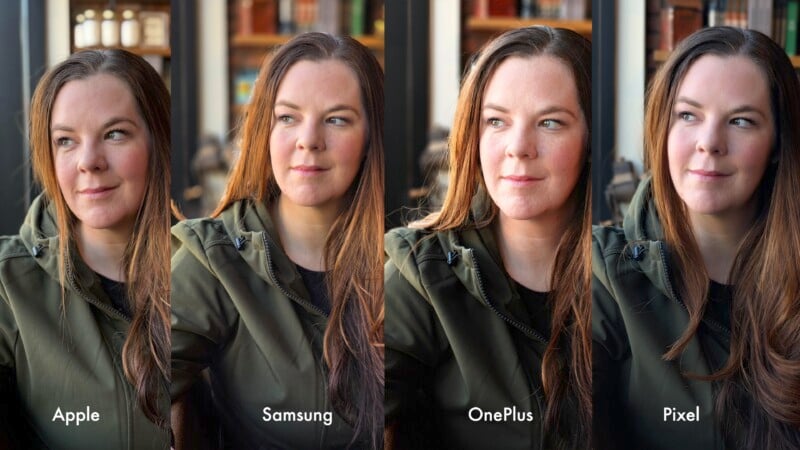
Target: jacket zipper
[93,301]
[284,291]
[80,292]
[711,322]
[528,331]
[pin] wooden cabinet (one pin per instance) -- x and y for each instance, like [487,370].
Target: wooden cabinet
[152,17]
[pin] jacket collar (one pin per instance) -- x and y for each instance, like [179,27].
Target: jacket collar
[39,234]
[645,238]
[250,228]
[475,259]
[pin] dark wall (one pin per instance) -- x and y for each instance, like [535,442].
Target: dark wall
[22,52]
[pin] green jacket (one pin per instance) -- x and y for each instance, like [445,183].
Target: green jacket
[636,316]
[62,361]
[240,309]
[458,341]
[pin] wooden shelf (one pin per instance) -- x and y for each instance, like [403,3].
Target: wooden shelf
[373,42]
[497,24]
[660,56]
[166,52]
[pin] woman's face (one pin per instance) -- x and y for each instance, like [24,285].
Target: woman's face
[721,135]
[100,147]
[532,137]
[319,133]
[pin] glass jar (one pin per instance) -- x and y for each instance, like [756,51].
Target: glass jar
[77,32]
[130,30]
[109,29]
[91,29]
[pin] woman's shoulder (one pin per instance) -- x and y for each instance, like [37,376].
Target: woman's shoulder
[403,243]
[14,247]
[607,239]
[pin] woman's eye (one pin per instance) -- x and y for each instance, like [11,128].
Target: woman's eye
[116,135]
[494,122]
[551,124]
[338,121]
[63,142]
[686,116]
[285,119]
[742,122]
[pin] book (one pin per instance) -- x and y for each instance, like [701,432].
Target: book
[329,17]
[286,16]
[792,13]
[305,15]
[716,13]
[265,16]
[503,8]
[358,17]
[759,16]
[679,19]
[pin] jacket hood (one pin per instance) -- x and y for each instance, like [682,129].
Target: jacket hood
[645,238]
[427,259]
[471,255]
[247,226]
[39,235]
[641,221]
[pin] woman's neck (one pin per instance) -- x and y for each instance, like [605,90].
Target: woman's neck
[303,232]
[528,249]
[103,250]
[718,239]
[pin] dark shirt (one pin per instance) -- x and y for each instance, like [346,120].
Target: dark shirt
[116,292]
[317,288]
[539,311]
[719,308]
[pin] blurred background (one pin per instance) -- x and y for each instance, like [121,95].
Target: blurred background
[208,52]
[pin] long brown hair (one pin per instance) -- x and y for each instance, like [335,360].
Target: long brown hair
[567,362]
[760,388]
[353,343]
[145,354]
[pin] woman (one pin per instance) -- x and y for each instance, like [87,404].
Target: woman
[487,307]
[279,294]
[84,307]
[695,320]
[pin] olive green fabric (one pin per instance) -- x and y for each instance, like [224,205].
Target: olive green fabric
[240,309]
[458,337]
[636,316]
[68,359]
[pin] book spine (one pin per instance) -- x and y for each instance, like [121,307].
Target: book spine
[792,13]
[286,23]
[358,11]
[759,16]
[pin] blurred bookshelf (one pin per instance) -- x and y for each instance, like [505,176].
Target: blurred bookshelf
[258,27]
[670,21]
[484,19]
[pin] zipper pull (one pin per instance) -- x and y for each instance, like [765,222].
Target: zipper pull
[452,256]
[638,252]
[239,242]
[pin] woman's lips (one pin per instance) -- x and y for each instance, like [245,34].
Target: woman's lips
[308,170]
[97,192]
[708,174]
[520,180]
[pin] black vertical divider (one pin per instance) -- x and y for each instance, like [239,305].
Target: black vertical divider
[603,104]
[183,64]
[406,84]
